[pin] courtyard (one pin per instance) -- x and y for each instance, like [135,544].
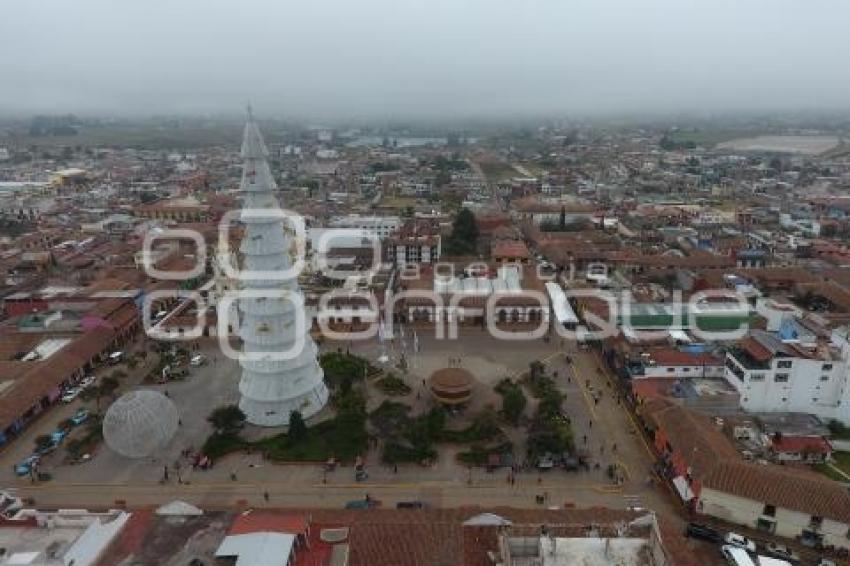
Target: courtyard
[600,428]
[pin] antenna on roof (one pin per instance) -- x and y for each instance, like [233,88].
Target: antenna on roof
[250,111]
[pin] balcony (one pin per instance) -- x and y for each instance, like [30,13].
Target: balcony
[745,360]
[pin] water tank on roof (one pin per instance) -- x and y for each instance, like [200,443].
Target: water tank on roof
[788,330]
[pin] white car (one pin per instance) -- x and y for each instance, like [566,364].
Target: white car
[198,360]
[87,382]
[740,541]
[70,395]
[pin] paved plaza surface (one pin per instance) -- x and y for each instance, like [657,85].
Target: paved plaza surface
[605,430]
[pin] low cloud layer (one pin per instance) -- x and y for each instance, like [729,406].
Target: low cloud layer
[440,58]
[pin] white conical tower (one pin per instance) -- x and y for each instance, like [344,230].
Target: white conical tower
[272,387]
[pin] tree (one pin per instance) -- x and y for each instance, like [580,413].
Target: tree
[485,424]
[108,385]
[227,420]
[464,236]
[513,404]
[297,427]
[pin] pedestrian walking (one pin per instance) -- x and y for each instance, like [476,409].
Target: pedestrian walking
[266,496]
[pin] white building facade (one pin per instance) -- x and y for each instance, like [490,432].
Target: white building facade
[380,226]
[773,375]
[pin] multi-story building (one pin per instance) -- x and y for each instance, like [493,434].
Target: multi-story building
[380,226]
[791,370]
[418,241]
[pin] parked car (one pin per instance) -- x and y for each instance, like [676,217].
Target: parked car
[826,562]
[80,416]
[781,551]
[58,436]
[571,463]
[740,541]
[87,381]
[198,360]
[704,532]
[736,556]
[178,372]
[9,504]
[44,449]
[23,467]
[411,505]
[546,462]
[70,394]
[361,504]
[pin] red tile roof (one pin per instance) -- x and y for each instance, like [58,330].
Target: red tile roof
[796,490]
[694,436]
[510,249]
[671,357]
[269,522]
[797,444]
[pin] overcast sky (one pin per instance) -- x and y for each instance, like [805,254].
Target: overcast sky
[396,58]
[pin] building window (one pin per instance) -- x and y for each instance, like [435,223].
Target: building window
[826,367]
[784,364]
[781,378]
[769,510]
[757,377]
[816,522]
[824,378]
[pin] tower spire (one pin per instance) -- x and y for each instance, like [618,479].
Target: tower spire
[272,386]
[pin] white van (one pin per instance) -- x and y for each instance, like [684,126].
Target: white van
[736,556]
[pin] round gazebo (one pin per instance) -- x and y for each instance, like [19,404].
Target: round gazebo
[451,386]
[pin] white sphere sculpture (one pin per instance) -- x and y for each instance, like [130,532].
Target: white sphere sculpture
[139,423]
